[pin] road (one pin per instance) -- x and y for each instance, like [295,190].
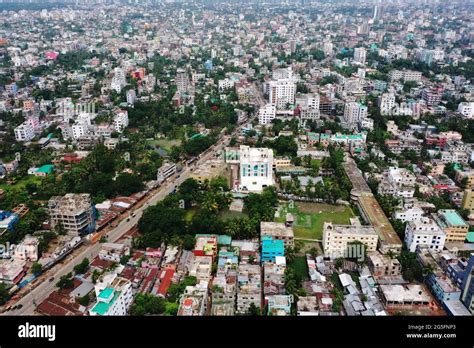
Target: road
[42,291]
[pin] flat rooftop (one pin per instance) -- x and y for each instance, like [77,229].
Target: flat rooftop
[379,220]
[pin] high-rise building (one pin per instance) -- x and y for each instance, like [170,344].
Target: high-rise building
[387,103]
[360,55]
[468,200]
[256,168]
[467,287]
[354,112]
[424,232]
[182,81]
[74,212]
[266,114]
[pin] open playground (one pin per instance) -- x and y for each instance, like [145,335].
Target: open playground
[309,218]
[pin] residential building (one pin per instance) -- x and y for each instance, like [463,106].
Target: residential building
[360,54]
[74,212]
[452,224]
[383,266]
[113,252]
[468,200]
[336,239]
[271,249]
[266,114]
[398,297]
[249,287]
[279,305]
[466,109]
[24,132]
[256,168]
[424,232]
[277,231]
[114,297]
[194,300]
[121,121]
[387,103]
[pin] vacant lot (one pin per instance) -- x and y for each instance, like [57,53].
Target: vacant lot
[167,144]
[310,217]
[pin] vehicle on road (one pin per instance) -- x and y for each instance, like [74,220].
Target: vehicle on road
[134,214]
[128,219]
[51,279]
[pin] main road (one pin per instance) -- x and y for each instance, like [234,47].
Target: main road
[38,294]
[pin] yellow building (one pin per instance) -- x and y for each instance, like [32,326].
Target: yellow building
[452,224]
[468,200]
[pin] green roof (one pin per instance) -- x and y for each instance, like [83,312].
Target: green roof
[105,294]
[102,308]
[453,218]
[47,168]
[470,237]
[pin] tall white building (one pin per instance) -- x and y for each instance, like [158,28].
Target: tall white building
[131,96]
[114,296]
[360,55]
[118,81]
[266,114]
[466,109]
[387,103]
[24,132]
[282,92]
[256,168]
[354,112]
[328,48]
[424,232]
[182,81]
[121,120]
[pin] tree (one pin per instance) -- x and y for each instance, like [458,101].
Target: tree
[4,295]
[160,222]
[36,268]
[148,304]
[65,281]
[84,300]
[188,242]
[253,310]
[82,267]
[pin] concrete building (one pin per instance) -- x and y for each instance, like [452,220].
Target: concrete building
[166,170]
[360,55]
[466,109]
[74,212]
[256,168]
[424,232]
[282,92]
[194,300]
[404,296]
[113,252]
[452,224]
[468,200]
[386,103]
[114,296]
[24,132]
[249,287]
[266,114]
[354,112]
[121,121]
[277,231]
[336,239]
[279,305]
[383,267]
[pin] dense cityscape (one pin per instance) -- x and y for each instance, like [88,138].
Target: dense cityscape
[224,158]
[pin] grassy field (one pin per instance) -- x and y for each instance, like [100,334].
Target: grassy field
[310,217]
[300,267]
[228,215]
[21,184]
[167,144]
